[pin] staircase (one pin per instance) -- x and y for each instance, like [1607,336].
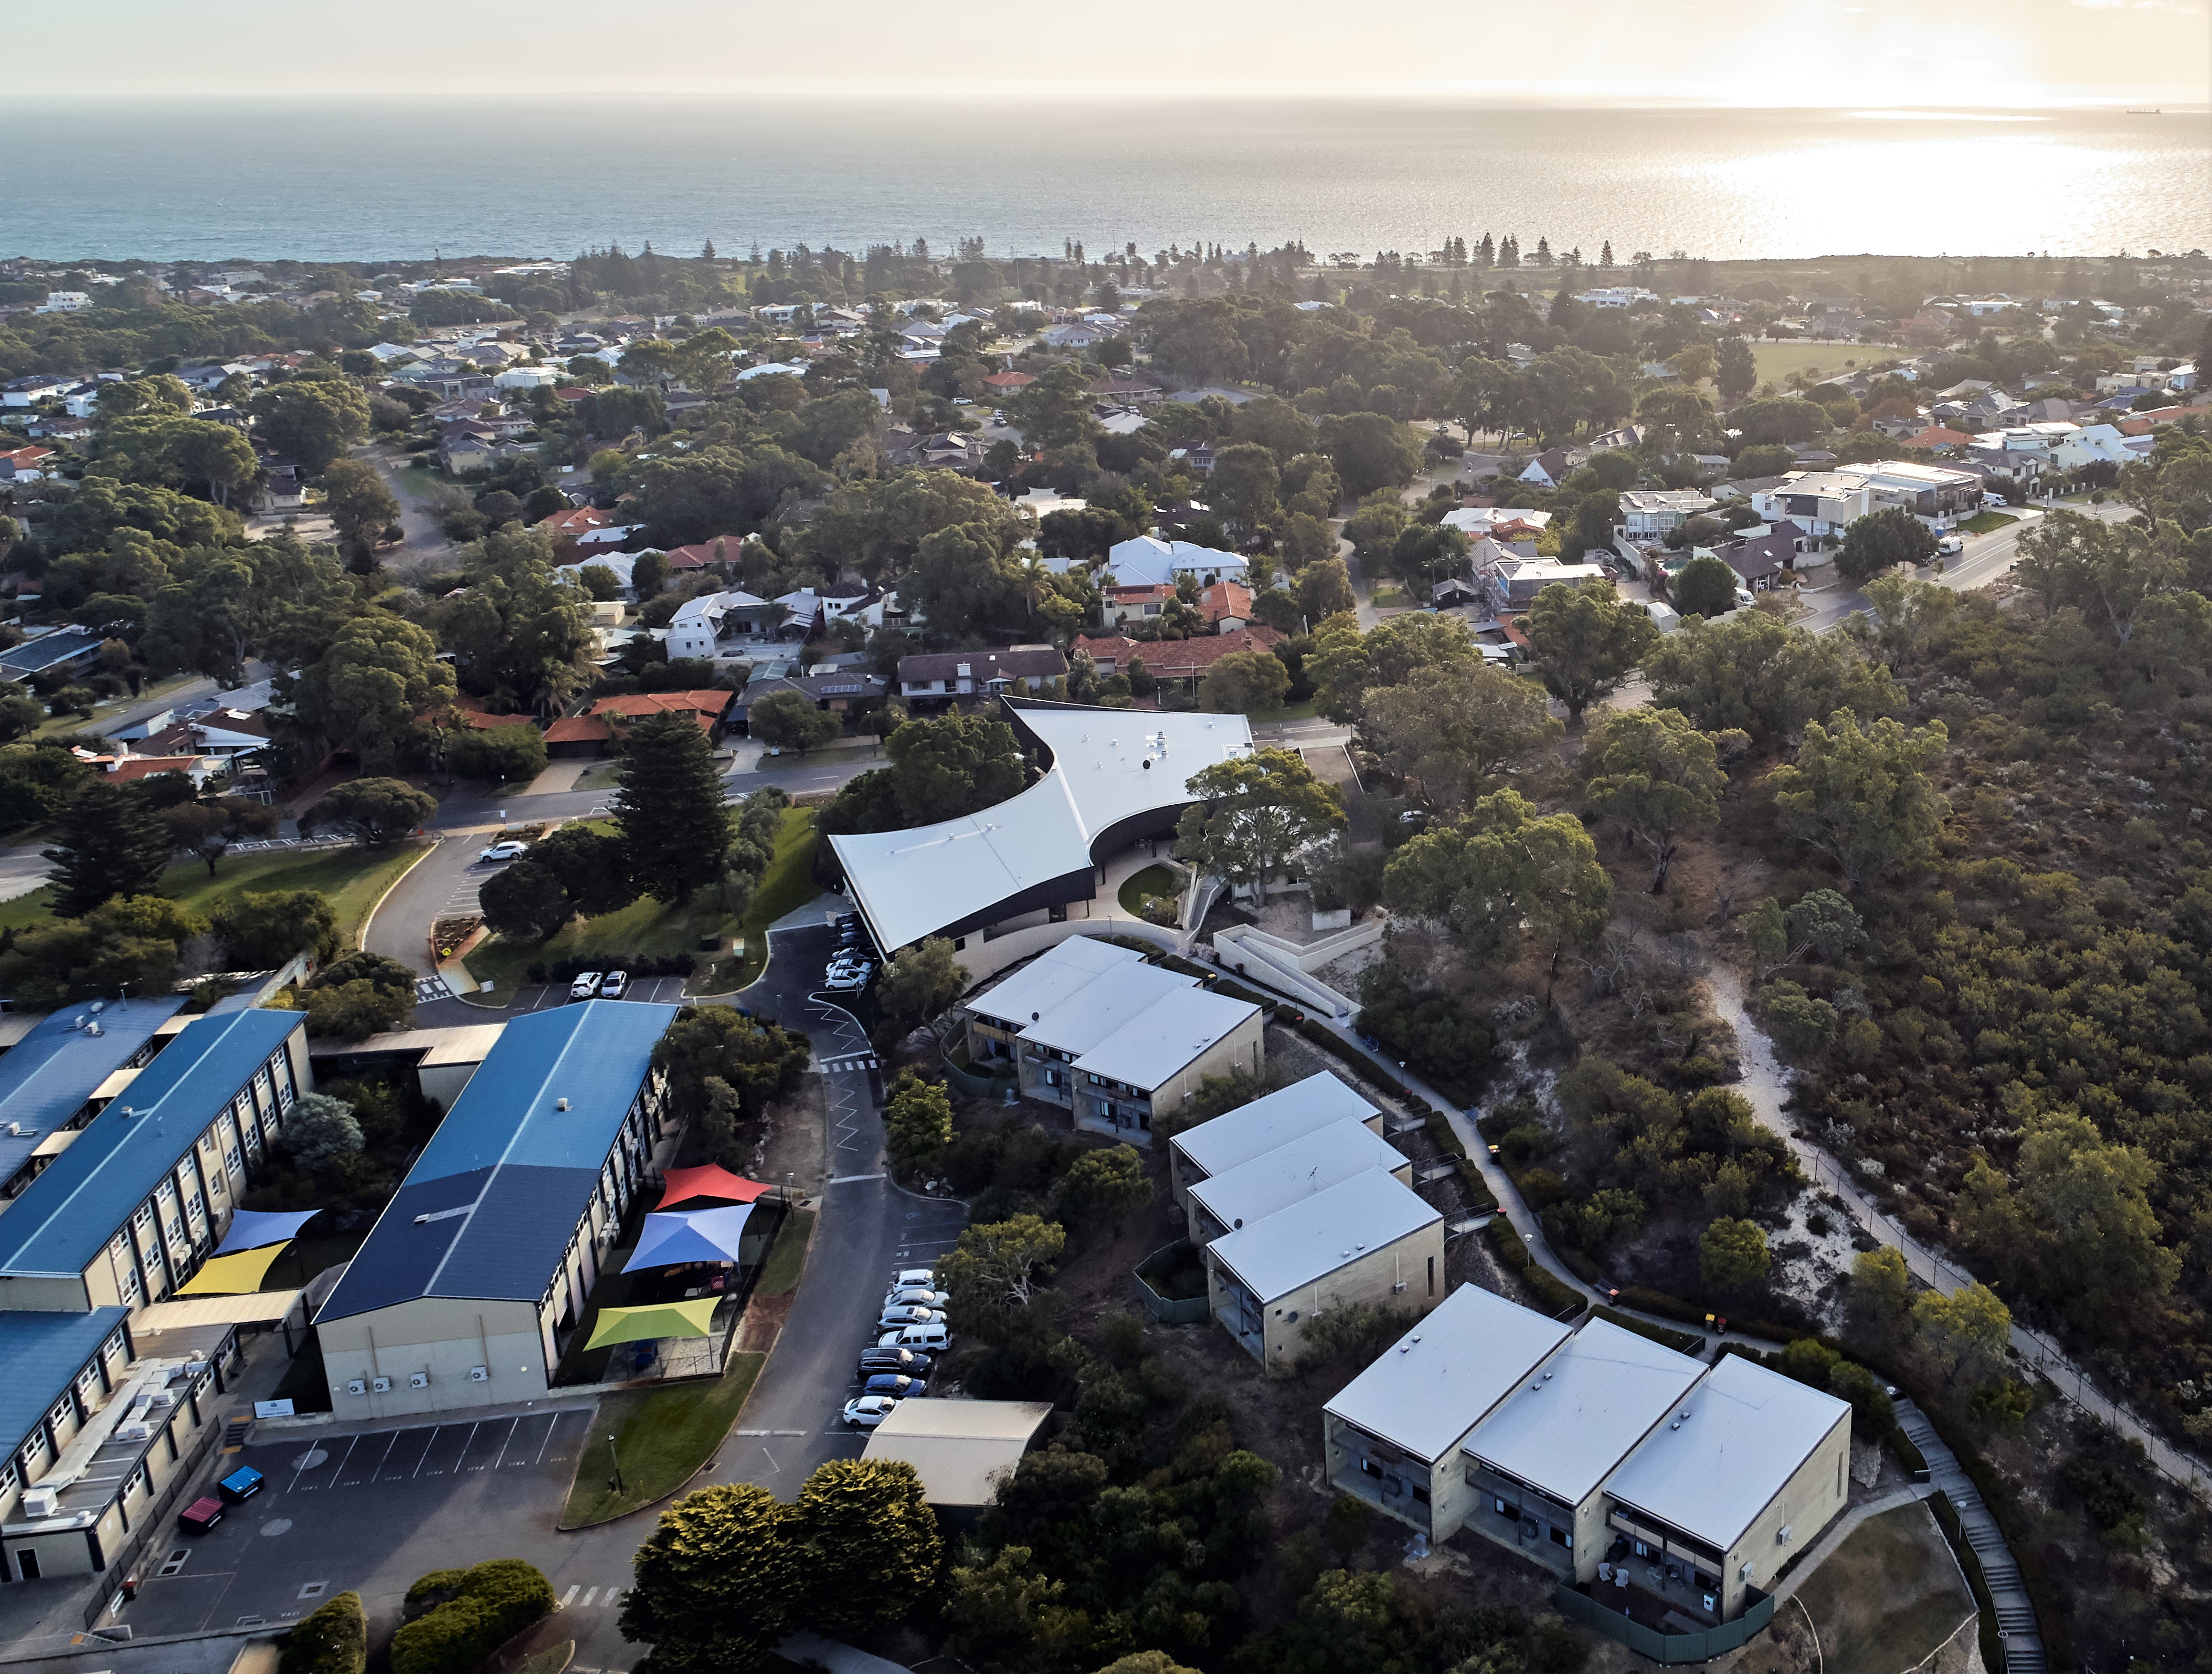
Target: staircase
[2023,1643]
[235,1428]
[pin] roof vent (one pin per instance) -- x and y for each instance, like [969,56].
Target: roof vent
[1547,1377]
[560,1104]
[1685,1412]
[1417,1337]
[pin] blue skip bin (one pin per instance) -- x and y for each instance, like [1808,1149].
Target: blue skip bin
[242,1483]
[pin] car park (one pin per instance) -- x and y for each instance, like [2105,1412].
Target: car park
[869,1410]
[203,1514]
[896,1385]
[500,852]
[241,1484]
[915,1296]
[908,1315]
[614,985]
[587,984]
[907,1362]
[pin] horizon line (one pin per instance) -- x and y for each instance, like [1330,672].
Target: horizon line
[2190,102]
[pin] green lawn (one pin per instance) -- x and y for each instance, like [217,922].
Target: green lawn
[355,880]
[662,1438]
[1289,712]
[1987,523]
[1389,599]
[788,885]
[553,1659]
[647,927]
[786,1258]
[1818,361]
[1153,883]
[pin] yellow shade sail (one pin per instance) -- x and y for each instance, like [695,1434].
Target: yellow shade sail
[662,1319]
[233,1274]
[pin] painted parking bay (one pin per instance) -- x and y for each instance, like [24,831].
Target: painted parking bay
[369,1510]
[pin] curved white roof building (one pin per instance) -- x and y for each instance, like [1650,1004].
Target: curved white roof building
[1112,776]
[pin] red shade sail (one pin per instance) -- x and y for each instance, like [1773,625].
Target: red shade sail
[682,1186]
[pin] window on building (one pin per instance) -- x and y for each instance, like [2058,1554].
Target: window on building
[1561,1538]
[1369,1468]
[1421,1493]
[63,1411]
[128,1285]
[232,1161]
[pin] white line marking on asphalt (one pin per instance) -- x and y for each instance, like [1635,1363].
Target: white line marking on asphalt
[846,1179]
[588,1597]
[774,1432]
[427,1446]
[570,1593]
[504,1446]
[546,1440]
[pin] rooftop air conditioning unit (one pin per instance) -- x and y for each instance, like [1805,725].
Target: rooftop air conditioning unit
[40,1502]
[136,1430]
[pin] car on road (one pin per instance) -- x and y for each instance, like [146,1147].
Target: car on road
[501,852]
[1950,544]
[896,1385]
[203,1514]
[614,985]
[587,984]
[907,1362]
[867,1412]
[909,1314]
[914,1296]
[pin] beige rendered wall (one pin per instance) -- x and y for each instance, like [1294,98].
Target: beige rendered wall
[1417,1260]
[1243,1048]
[1815,1495]
[444,1337]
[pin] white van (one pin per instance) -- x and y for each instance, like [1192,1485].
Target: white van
[930,1339]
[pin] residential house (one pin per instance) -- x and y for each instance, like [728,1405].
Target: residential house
[1146,560]
[1826,503]
[24,464]
[1120,605]
[1186,661]
[839,692]
[1004,385]
[1548,469]
[1649,514]
[33,388]
[597,730]
[1094,1028]
[719,624]
[941,677]
[1513,581]
[1757,559]
[52,651]
[1226,605]
[464,453]
[1938,435]
[1371,1239]
[722,549]
[1079,334]
[1124,390]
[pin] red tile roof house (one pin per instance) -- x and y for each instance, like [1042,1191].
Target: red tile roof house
[1008,383]
[1227,605]
[577,520]
[1938,435]
[1184,659]
[593,732]
[722,549]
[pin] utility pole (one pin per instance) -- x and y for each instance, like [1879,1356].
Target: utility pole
[616,1458]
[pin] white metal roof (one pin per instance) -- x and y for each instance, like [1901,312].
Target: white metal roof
[1569,1421]
[1290,1173]
[1108,765]
[1438,1380]
[1046,983]
[1252,1130]
[1331,1229]
[911,884]
[1710,1474]
[1111,1001]
[1148,1049]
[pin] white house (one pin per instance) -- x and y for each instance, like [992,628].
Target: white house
[1275,1119]
[1647,514]
[1148,561]
[709,625]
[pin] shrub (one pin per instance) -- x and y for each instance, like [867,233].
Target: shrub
[333,1639]
[488,1605]
[1552,1295]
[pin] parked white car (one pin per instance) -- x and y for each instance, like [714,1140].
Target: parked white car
[869,1410]
[501,852]
[585,985]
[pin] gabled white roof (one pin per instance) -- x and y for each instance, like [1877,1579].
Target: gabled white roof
[1251,1130]
[1747,1431]
[1314,1238]
[1148,1049]
[1437,1381]
[1109,1002]
[1146,558]
[1291,1174]
[1047,981]
[1569,1421]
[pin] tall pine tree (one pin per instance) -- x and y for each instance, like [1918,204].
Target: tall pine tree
[669,810]
[110,843]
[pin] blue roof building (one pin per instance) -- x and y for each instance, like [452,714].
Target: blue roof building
[129,1210]
[462,1292]
[52,1073]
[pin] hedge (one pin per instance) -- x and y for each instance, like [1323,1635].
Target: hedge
[1554,1296]
[332,1640]
[1986,1607]
[1363,1066]
[1646,1300]
[567,970]
[1481,1200]
[1682,1342]
[490,1604]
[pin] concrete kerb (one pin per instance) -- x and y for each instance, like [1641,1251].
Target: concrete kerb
[361,936]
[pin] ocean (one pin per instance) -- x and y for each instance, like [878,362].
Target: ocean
[401,178]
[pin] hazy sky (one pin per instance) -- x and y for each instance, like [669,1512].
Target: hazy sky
[2000,53]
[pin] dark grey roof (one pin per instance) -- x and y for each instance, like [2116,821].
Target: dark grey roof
[984,664]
